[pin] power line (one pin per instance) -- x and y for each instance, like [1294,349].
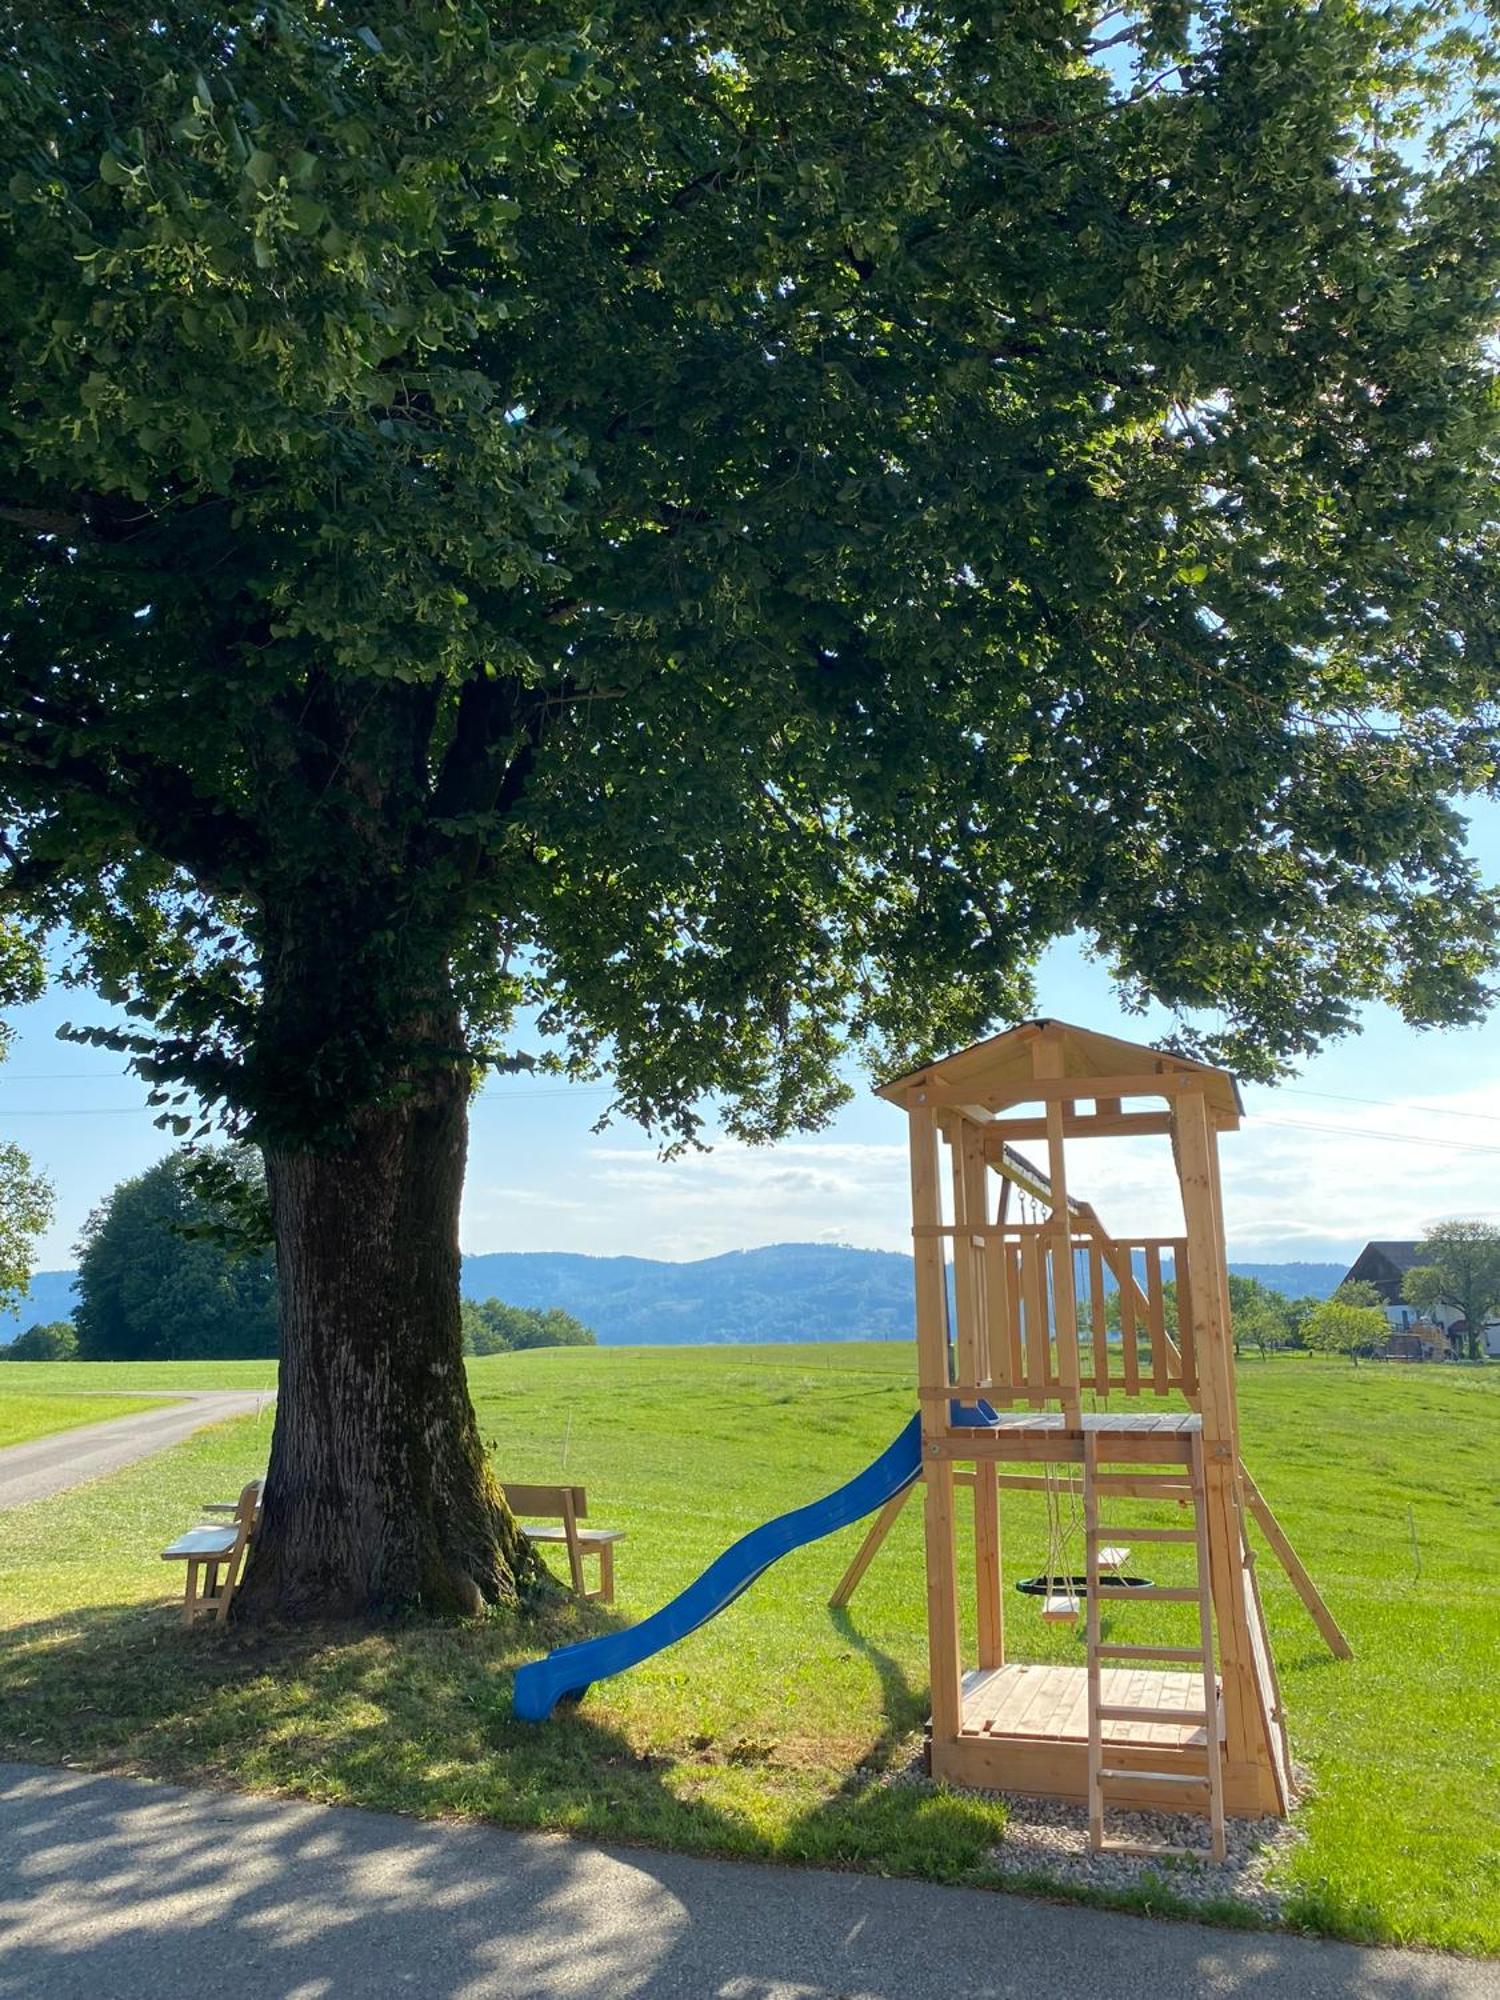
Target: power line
[1390,1103]
[1366,1132]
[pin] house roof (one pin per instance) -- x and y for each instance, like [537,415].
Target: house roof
[1383,1265]
[1402,1255]
[1007,1059]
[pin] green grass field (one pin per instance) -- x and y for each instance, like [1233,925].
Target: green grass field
[25,1416]
[79,1377]
[774,1730]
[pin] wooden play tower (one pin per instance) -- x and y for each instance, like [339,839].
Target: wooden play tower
[1059,1333]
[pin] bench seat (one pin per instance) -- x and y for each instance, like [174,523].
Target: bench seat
[215,1556]
[563,1509]
[202,1544]
[587,1537]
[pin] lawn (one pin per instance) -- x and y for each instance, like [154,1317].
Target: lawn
[25,1416]
[80,1377]
[775,1730]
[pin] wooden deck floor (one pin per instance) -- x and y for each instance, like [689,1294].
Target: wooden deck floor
[1049,1704]
[1106,1423]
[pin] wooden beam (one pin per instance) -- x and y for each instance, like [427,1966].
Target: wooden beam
[1291,1562]
[945,1664]
[1046,1060]
[1052,1090]
[1119,1125]
[1245,1728]
[869,1548]
[970,1192]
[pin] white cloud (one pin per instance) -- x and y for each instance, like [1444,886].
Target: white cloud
[1303,1177]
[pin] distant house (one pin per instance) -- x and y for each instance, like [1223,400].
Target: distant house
[1413,1337]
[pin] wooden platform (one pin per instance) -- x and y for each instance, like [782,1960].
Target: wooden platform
[1025,1730]
[1047,1704]
[1102,1423]
[1041,1437]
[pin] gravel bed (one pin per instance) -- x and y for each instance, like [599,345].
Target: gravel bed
[1050,1838]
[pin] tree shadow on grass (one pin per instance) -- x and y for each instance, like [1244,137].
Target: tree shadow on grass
[415,1719]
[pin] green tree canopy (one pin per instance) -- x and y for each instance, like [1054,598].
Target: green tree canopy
[737,537]
[1335,1326]
[1259,1317]
[48,1340]
[1466,1257]
[1423,1287]
[25,1194]
[492,1327]
[154,1285]
[1359,1292]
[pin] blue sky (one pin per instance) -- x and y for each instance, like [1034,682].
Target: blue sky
[1384,1132]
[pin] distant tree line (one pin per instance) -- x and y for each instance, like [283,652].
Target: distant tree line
[174,1266]
[1265,1320]
[48,1340]
[492,1327]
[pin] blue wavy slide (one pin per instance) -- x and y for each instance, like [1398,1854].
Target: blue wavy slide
[569,1672]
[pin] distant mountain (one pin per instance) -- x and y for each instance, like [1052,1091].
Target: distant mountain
[51,1297]
[786,1291]
[1296,1281]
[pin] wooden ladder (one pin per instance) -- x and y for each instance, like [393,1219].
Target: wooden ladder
[1202,1786]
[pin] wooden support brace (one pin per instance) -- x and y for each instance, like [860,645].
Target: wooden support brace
[1291,1562]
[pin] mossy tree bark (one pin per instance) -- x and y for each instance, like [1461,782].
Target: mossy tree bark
[378,1496]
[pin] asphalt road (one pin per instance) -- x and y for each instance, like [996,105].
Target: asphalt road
[116,1889]
[48,1465]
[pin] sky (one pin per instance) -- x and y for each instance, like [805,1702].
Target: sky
[1379,1135]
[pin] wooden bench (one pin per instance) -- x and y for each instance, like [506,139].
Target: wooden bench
[207,1551]
[568,1505]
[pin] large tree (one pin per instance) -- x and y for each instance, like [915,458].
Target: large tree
[155,1283]
[734,529]
[1464,1258]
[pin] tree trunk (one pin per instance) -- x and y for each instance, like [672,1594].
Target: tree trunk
[378,1496]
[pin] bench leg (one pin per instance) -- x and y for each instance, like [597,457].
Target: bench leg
[227,1589]
[190,1595]
[606,1573]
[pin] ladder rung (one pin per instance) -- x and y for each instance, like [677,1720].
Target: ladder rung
[1125,1712]
[1115,1652]
[1158,1593]
[1152,1534]
[1153,1850]
[1164,1485]
[1197,1780]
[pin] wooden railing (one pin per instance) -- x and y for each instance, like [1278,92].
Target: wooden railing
[1012,1343]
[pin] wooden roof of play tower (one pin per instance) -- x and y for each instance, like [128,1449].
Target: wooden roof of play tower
[1001,1067]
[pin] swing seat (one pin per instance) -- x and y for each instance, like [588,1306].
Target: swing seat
[1113,1557]
[1060,1609]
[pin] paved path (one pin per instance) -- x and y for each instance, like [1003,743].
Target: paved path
[47,1465]
[115,1889]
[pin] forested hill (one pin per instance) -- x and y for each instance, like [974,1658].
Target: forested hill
[786,1291]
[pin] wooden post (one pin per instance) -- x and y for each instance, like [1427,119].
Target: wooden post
[970,1181]
[1244,1729]
[1047,1062]
[945,1665]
